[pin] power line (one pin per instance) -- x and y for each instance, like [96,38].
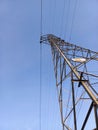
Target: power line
[41,20]
[54,16]
[73,17]
[62,18]
[40,94]
[67,17]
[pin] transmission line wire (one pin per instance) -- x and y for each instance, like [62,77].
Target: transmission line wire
[54,16]
[40,96]
[73,17]
[41,20]
[62,18]
[67,17]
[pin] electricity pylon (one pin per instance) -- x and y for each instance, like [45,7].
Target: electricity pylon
[76,83]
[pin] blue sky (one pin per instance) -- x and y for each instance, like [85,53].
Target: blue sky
[20,52]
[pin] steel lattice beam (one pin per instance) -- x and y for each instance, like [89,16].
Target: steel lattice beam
[66,68]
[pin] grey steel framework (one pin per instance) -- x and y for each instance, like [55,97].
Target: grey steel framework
[76,82]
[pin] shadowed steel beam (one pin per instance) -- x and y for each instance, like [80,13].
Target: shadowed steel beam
[74,108]
[87,116]
[96,115]
[67,127]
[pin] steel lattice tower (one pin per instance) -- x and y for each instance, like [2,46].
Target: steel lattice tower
[77,86]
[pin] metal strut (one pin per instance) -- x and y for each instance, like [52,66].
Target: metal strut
[74,107]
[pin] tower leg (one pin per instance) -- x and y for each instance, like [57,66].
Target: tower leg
[73,99]
[96,115]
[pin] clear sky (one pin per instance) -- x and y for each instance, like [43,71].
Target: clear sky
[20,53]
